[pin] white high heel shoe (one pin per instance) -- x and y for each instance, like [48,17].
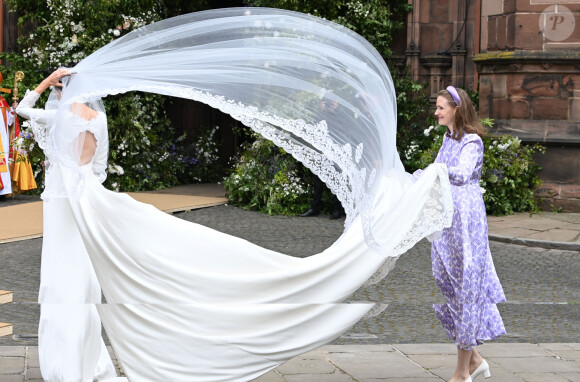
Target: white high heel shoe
[482,368]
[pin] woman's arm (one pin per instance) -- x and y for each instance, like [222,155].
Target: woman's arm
[471,155]
[52,80]
[26,106]
[101,156]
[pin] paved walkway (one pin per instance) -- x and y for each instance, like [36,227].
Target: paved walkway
[557,362]
[22,214]
[545,230]
[532,362]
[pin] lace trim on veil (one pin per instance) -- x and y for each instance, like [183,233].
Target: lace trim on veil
[435,215]
[334,164]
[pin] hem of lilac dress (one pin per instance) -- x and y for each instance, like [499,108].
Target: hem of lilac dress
[492,328]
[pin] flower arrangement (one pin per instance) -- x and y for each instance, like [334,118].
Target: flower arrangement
[145,153]
[28,148]
[267,179]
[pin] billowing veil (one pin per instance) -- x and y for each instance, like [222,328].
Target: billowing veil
[269,69]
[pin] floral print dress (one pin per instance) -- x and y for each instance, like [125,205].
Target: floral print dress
[462,263]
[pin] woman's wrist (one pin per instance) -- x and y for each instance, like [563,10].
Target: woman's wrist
[42,86]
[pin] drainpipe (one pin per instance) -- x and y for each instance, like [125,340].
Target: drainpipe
[1,27]
[477,46]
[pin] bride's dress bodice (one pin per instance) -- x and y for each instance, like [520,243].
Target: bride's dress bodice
[64,169]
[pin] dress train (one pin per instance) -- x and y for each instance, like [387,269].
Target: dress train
[188,303]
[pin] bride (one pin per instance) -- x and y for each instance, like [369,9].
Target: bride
[185,302]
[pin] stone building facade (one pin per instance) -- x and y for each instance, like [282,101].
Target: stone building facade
[523,56]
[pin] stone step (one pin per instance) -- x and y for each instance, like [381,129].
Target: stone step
[6,296]
[5,329]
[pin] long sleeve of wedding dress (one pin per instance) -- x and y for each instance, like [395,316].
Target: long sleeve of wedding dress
[40,120]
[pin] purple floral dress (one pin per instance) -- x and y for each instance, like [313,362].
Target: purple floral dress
[462,263]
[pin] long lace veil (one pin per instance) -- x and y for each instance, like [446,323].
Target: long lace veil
[270,69]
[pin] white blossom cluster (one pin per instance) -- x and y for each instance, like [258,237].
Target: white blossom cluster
[512,142]
[358,8]
[206,149]
[68,40]
[413,147]
[428,130]
[115,169]
[294,186]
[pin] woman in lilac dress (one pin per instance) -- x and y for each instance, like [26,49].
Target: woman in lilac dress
[462,263]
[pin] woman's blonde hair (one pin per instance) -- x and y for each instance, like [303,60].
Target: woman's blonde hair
[466,119]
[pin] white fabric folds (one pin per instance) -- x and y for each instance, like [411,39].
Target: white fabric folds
[187,303]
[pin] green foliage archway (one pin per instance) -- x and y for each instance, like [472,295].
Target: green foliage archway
[146,152]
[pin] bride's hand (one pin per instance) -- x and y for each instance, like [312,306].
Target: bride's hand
[54,78]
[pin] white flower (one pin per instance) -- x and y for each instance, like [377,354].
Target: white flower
[116,32]
[115,169]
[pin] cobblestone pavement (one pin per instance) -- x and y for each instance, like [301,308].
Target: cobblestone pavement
[542,286]
[18,199]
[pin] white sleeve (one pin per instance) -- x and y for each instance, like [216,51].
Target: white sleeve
[100,159]
[26,109]
[40,119]
[10,117]
[99,130]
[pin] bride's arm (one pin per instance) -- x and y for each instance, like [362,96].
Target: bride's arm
[26,109]
[93,143]
[40,119]
[101,155]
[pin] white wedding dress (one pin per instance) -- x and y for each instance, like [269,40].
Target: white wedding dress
[69,332]
[188,303]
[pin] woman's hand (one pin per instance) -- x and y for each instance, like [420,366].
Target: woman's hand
[52,80]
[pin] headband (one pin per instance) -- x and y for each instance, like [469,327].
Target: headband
[454,94]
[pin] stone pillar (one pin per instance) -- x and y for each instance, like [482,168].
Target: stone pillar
[438,73]
[440,42]
[413,35]
[530,85]
[457,48]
